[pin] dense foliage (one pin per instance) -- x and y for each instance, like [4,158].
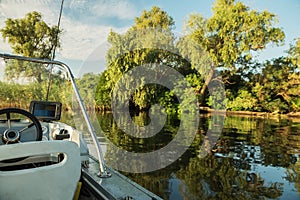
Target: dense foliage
[31,36]
[222,44]
[215,49]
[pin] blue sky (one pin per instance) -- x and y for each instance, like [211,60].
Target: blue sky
[86,23]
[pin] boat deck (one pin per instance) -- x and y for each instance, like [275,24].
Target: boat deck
[117,186]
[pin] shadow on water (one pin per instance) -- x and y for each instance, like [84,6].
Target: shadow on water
[253,158]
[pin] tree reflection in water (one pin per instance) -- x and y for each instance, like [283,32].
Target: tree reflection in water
[253,159]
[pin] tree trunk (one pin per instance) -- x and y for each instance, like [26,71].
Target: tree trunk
[207,81]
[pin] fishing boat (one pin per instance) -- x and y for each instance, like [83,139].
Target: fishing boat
[44,158]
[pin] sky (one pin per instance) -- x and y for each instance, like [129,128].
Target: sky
[86,23]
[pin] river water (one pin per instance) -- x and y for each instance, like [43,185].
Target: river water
[252,158]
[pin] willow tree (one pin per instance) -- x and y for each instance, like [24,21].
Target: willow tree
[232,33]
[147,43]
[30,36]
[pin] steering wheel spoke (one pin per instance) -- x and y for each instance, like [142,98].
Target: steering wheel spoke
[27,127]
[8,120]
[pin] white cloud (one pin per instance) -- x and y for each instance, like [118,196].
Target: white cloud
[122,9]
[80,36]
[79,40]
[18,9]
[119,9]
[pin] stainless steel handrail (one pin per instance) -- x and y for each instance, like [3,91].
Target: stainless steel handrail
[103,170]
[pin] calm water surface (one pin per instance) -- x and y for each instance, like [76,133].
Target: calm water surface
[253,158]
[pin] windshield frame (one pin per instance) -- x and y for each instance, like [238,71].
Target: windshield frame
[70,76]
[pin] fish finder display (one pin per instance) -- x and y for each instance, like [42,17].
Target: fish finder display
[46,110]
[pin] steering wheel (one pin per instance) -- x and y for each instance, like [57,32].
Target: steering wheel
[16,130]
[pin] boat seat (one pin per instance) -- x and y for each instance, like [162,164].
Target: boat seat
[59,179]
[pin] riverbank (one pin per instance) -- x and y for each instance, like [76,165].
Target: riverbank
[293,116]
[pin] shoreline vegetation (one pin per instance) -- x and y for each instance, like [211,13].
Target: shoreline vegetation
[293,116]
[215,57]
[249,113]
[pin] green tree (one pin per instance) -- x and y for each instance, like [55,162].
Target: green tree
[232,32]
[155,18]
[148,42]
[102,93]
[243,101]
[294,52]
[87,84]
[199,61]
[32,37]
[19,93]
[277,86]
